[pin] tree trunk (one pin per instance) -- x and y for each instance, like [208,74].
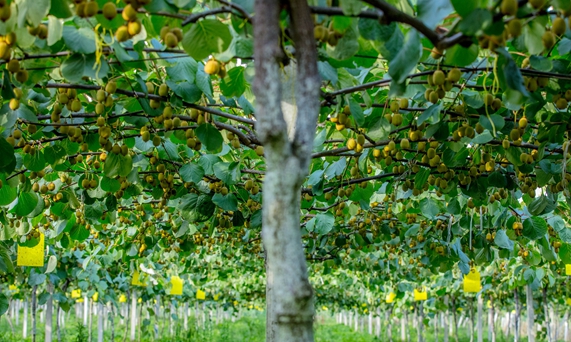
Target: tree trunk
[289,296]
[480,318]
[25,320]
[420,322]
[492,322]
[566,326]
[100,317]
[546,313]
[517,317]
[90,320]
[403,326]
[133,313]
[446,321]
[530,314]
[49,314]
[34,308]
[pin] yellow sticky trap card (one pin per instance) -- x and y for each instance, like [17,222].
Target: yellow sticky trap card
[200,295]
[216,296]
[390,298]
[567,269]
[32,256]
[568,301]
[472,281]
[122,299]
[76,293]
[137,281]
[420,295]
[95,296]
[176,286]
[14,288]
[80,300]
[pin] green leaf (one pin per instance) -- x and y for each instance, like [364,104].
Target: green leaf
[431,12]
[227,203]
[35,162]
[55,30]
[510,74]
[206,37]
[110,184]
[229,173]
[565,253]
[234,84]
[460,56]
[4,304]
[533,33]
[541,63]
[350,7]
[483,138]
[429,208]
[36,10]
[80,40]
[189,92]
[463,7]
[534,228]
[407,58]
[26,203]
[191,173]
[60,9]
[73,67]
[503,241]
[117,165]
[541,205]
[8,160]
[52,263]
[210,137]
[431,114]
[324,223]
[184,69]
[196,208]
[79,232]
[474,21]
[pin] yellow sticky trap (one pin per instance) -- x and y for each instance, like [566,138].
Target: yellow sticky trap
[136,281]
[390,298]
[568,301]
[567,269]
[324,308]
[79,300]
[14,288]
[472,281]
[140,300]
[235,303]
[420,295]
[76,294]
[216,296]
[176,286]
[122,299]
[95,296]
[200,295]
[32,256]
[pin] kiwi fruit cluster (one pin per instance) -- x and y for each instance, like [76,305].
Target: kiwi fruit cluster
[40,31]
[214,67]
[7,42]
[492,103]
[132,27]
[327,35]
[104,97]
[342,120]
[394,117]
[356,144]
[561,100]
[86,9]
[171,36]
[440,82]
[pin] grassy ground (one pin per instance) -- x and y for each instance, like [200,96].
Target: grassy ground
[247,329]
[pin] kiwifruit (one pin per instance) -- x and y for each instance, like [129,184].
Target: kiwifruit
[496,104]
[42,31]
[129,13]
[434,97]
[509,7]
[514,134]
[537,4]
[111,87]
[10,38]
[438,77]
[212,67]
[506,144]
[122,33]
[479,128]
[488,99]
[558,26]
[76,105]
[163,90]
[91,8]
[320,33]
[22,75]
[109,10]
[454,75]
[397,119]
[5,13]
[178,33]
[13,66]
[435,53]
[403,103]
[405,144]
[548,40]
[561,103]
[150,87]
[171,40]
[522,123]
[14,104]
[134,27]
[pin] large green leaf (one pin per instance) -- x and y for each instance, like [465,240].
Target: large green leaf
[407,58]
[503,241]
[210,137]
[8,160]
[118,165]
[534,228]
[431,12]
[80,40]
[206,37]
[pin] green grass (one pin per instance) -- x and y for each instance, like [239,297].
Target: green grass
[249,328]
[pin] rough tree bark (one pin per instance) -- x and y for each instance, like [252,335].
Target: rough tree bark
[289,295]
[530,314]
